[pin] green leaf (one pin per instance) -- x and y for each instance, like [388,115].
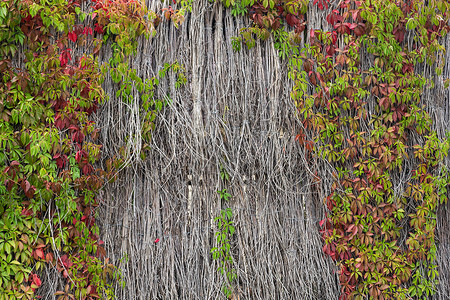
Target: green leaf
[229,214]
[231,229]
[411,24]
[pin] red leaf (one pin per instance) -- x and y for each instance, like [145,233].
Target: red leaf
[331,49]
[78,137]
[291,20]
[66,262]
[407,68]
[87,169]
[385,103]
[61,160]
[30,192]
[322,3]
[87,30]
[334,17]
[313,77]
[300,138]
[258,19]
[360,29]
[98,28]
[156,241]
[26,212]
[167,15]
[9,184]
[60,122]
[35,281]
[276,24]
[72,36]
[300,27]
[356,14]
[63,60]
[79,155]
[309,145]
[25,185]
[342,28]
[49,257]
[65,57]
[38,253]
[334,37]
[308,65]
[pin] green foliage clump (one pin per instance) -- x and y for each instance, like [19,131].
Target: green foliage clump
[49,150]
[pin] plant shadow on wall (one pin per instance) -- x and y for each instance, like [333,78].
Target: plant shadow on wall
[50,151]
[364,116]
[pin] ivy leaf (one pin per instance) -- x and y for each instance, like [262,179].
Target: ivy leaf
[9,184]
[291,20]
[321,4]
[359,29]
[334,17]
[25,185]
[72,36]
[342,27]
[30,192]
[322,222]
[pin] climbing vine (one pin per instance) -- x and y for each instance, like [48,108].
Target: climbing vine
[224,234]
[359,97]
[49,150]
[363,120]
[48,156]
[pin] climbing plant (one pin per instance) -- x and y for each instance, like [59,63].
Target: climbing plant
[225,231]
[48,153]
[363,119]
[49,150]
[359,97]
